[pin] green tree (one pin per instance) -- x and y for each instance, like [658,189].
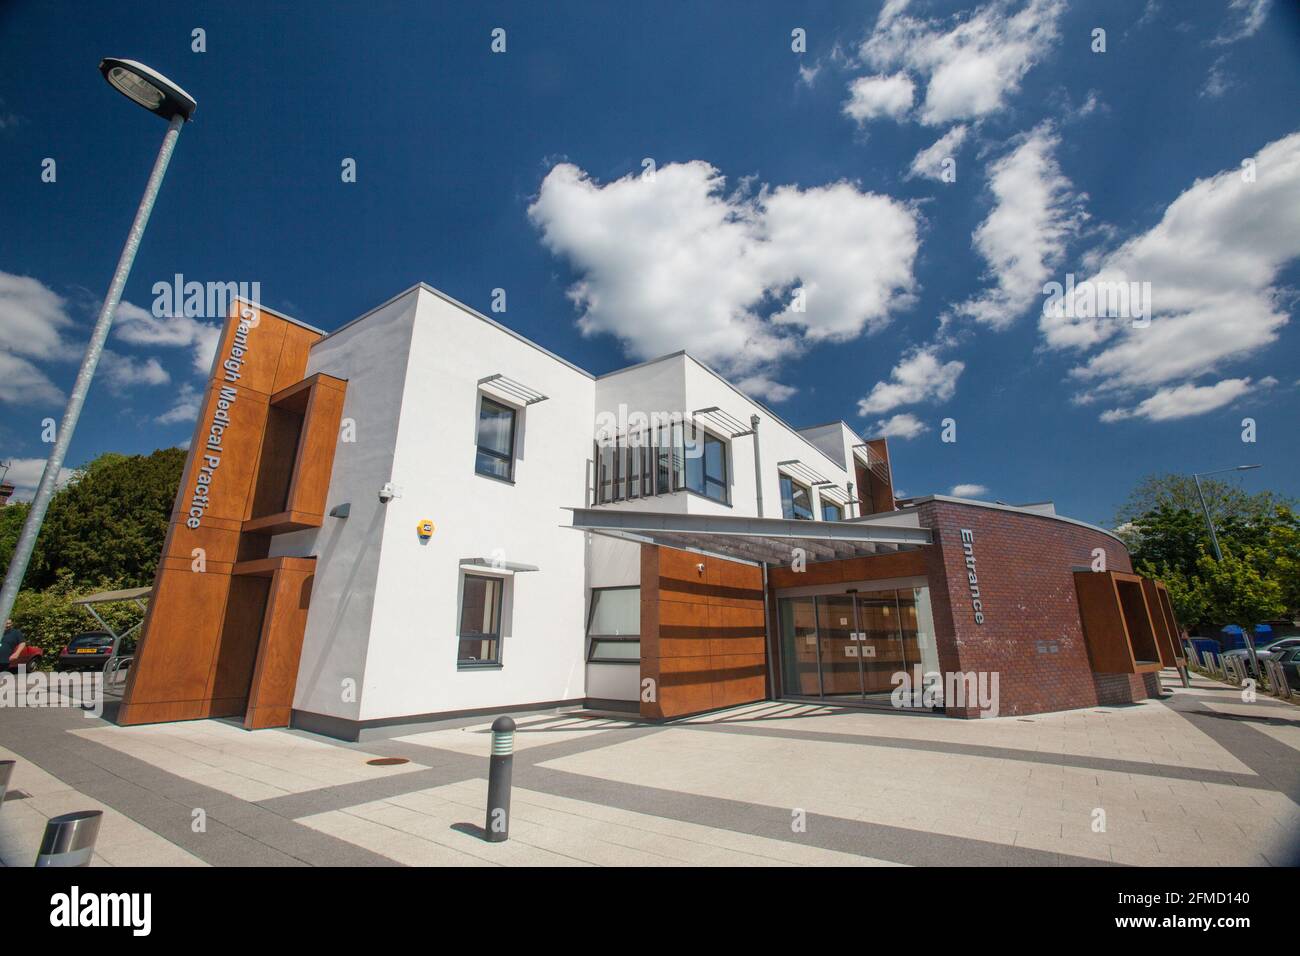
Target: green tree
[1225,500]
[108,523]
[1236,592]
[1168,537]
[49,619]
[12,517]
[1186,593]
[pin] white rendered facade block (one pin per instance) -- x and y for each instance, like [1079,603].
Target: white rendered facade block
[382,630]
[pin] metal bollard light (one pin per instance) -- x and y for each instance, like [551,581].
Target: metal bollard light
[502,760]
[70,839]
[6,771]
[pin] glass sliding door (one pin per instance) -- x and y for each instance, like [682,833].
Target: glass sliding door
[882,641]
[837,631]
[849,646]
[800,658]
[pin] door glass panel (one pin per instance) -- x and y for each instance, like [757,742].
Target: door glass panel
[837,630]
[847,646]
[799,675]
[882,647]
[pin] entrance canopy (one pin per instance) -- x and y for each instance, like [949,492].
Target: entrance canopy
[762,540]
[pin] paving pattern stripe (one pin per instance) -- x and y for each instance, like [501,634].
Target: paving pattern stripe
[1079,761]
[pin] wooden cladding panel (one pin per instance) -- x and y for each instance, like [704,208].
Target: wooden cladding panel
[314,460]
[201,645]
[1103,623]
[1166,630]
[877,567]
[1180,655]
[702,632]
[1117,626]
[270,697]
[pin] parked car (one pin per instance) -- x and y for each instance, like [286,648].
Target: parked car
[1289,659]
[26,659]
[86,651]
[1264,651]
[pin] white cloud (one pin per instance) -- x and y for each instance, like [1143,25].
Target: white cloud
[968,491]
[32,318]
[1184,401]
[919,376]
[1034,216]
[970,64]
[904,425]
[874,96]
[138,326]
[22,383]
[25,475]
[184,409]
[762,387]
[929,161]
[1249,16]
[122,371]
[808,74]
[675,262]
[1217,82]
[1212,262]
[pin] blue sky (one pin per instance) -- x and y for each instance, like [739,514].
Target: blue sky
[775,171]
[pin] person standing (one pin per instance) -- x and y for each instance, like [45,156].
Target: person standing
[12,643]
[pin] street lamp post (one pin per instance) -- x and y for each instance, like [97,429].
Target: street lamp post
[159,95]
[1214,544]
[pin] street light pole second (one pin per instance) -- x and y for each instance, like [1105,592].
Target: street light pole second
[50,477]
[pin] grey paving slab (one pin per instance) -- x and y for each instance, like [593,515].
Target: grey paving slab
[1080,761]
[893,844]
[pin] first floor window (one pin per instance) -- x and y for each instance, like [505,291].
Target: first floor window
[796,501]
[832,512]
[480,621]
[706,467]
[496,440]
[614,626]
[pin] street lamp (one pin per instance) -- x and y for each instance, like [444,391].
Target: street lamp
[1214,543]
[159,95]
[1214,538]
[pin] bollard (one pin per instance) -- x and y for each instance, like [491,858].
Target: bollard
[498,802]
[6,770]
[70,839]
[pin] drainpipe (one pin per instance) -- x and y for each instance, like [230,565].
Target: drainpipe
[758,470]
[851,499]
[773,658]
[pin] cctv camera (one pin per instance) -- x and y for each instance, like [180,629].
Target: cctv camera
[388,493]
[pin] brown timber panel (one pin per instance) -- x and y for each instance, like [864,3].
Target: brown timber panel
[702,632]
[200,635]
[270,698]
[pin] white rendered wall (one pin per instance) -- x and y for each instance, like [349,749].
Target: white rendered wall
[371,355]
[411,666]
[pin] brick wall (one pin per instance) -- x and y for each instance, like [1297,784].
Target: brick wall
[1032,635]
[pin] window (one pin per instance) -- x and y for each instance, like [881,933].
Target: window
[480,621]
[615,626]
[796,501]
[832,512]
[496,440]
[706,467]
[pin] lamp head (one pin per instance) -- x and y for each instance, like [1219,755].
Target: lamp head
[147,88]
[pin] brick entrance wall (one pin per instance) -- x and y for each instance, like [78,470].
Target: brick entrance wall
[1032,635]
